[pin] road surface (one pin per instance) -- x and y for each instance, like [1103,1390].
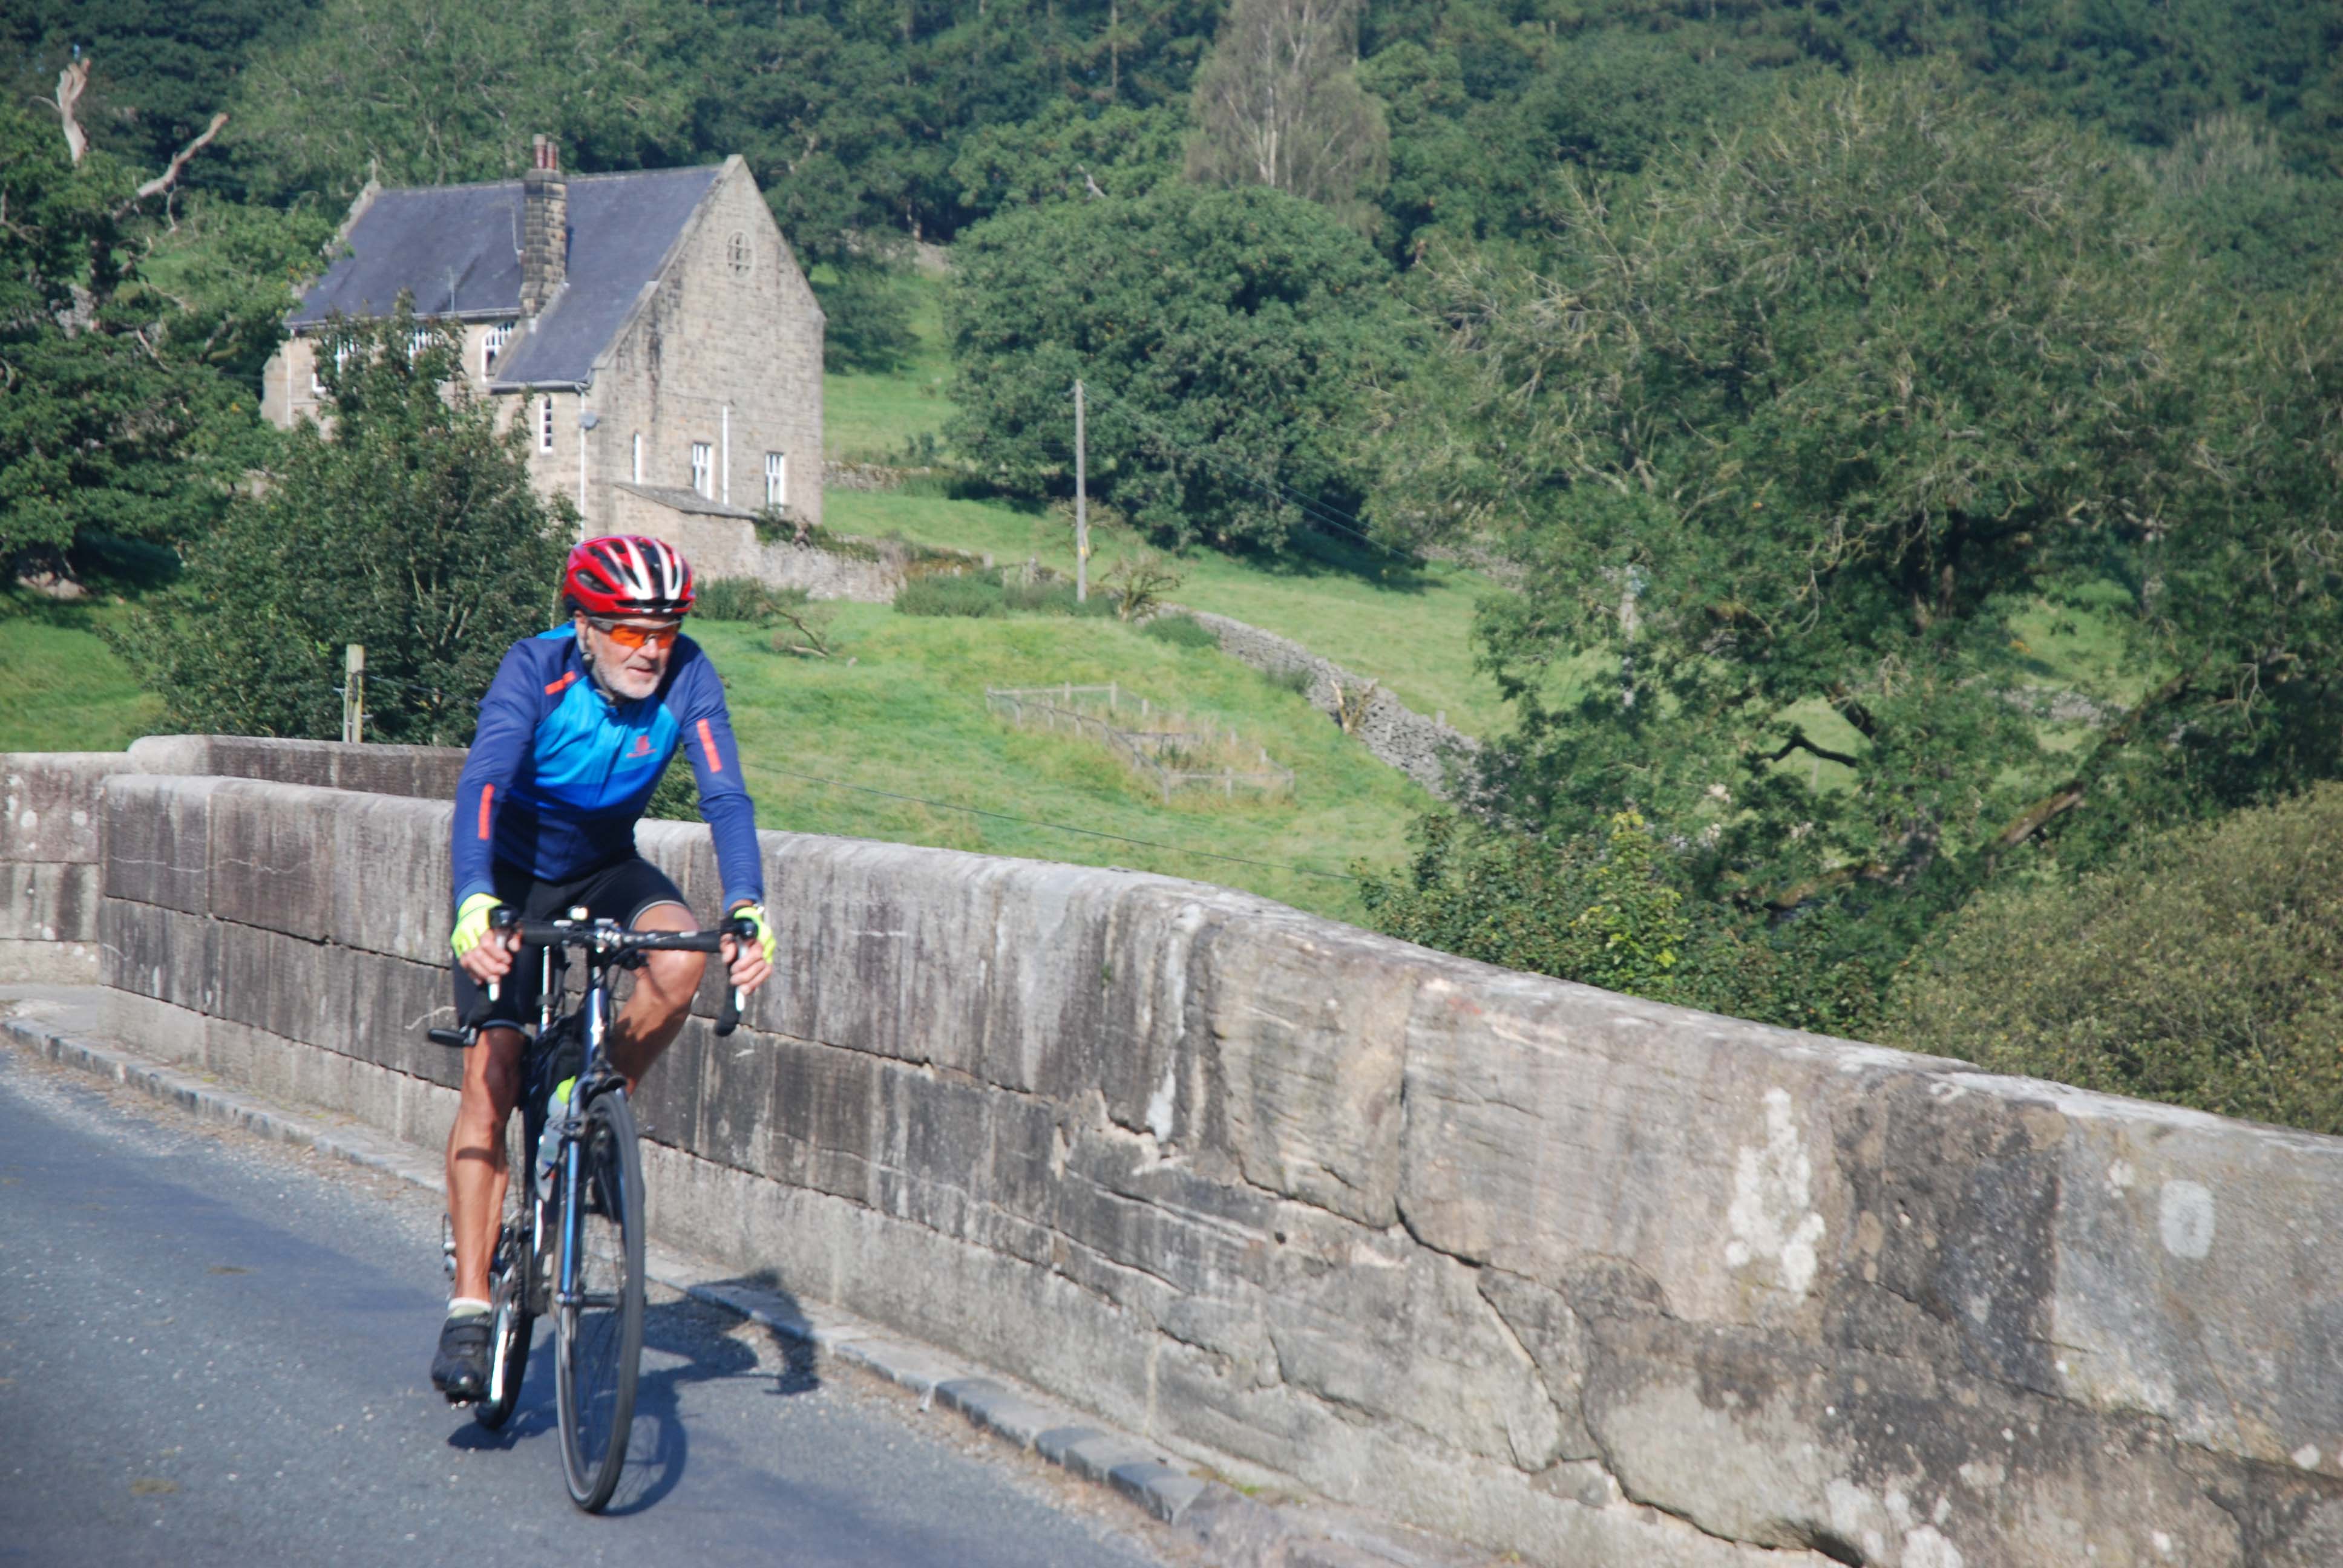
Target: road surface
[216,1350]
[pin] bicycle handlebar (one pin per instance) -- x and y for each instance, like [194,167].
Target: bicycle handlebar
[605,936]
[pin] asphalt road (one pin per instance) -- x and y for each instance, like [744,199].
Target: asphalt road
[215,1350]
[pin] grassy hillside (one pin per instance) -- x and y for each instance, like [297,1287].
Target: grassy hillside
[907,716]
[1356,606]
[872,418]
[61,687]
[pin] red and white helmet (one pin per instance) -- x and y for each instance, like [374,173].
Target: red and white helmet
[628,574]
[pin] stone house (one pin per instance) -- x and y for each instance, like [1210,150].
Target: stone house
[651,329]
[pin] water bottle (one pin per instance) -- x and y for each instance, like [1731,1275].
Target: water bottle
[549,1143]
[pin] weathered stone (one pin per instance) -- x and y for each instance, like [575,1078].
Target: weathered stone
[272,863]
[1550,1334]
[1870,1458]
[51,802]
[406,911]
[157,952]
[48,900]
[1309,1022]
[1383,1327]
[158,841]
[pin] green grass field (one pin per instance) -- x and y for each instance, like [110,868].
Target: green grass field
[61,687]
[874,419]
[907,716]
[1411,629]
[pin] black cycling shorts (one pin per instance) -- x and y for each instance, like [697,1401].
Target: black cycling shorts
[621,890]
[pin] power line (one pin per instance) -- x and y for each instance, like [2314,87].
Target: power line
[1064,828]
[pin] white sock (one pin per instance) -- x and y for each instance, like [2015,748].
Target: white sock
[467,1307]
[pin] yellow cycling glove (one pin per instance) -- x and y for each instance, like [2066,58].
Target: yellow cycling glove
[755,915]
[472,922]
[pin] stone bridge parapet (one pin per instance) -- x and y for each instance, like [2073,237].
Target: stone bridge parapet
[1563,1274]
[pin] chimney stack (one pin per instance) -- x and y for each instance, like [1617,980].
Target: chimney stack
[543,227]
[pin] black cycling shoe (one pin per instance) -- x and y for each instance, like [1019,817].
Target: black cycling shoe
[460,1370]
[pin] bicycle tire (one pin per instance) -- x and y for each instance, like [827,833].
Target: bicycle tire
[511,1322]
[599,1338]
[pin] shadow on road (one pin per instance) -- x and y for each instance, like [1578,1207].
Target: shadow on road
[682,1345]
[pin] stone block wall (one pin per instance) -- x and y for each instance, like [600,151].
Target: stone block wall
[1429,751]
[1577,1277]
[724,349]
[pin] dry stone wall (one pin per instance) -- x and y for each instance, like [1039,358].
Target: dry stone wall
[1427,750]
[1573,1276]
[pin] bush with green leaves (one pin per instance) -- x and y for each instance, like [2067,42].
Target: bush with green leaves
[2203,967]
[1616,909]
[744,599]
[868,315]
[1181,631]
[973,594]
[1777,443]
[1227,339]
[113,420]
[408,523]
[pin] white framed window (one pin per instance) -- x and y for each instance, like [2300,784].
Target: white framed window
[317,382]
[739,256]
[492,346]
[703,468]
[638,456]
[545,423]
[777,479]
[416,342]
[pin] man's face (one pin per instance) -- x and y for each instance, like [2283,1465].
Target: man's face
[629,653]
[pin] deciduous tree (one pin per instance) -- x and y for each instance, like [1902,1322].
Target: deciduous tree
[408,523]
[1278,103]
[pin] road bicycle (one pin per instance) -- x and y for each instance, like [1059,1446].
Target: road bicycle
[570,1245]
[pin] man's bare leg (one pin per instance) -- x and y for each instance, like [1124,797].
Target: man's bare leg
[476,1155]
[654,1015]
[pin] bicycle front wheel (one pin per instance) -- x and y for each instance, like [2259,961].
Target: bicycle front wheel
[599,1327]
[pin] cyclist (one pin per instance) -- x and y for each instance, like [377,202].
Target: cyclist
[574,734]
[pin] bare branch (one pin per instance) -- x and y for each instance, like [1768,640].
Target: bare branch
[170,176]
[71,83]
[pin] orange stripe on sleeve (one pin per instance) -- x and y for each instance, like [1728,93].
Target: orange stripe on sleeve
[562,685]
[487,793]
[708,744]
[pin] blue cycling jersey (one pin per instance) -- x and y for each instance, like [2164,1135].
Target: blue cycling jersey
[560,773]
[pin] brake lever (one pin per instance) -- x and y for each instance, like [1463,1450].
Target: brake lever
[727,1017]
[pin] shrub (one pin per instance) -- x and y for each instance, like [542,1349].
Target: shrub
[2201,969]
[949,593]
[1053,595]
[1183,631]
[744,599]
[1615,910]
[1296,679]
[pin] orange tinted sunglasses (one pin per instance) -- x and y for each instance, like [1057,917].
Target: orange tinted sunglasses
[635,636]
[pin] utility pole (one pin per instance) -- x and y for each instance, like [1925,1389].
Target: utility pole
[354,692]
[1081,505]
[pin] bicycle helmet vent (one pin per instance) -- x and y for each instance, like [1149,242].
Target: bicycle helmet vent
[628,574]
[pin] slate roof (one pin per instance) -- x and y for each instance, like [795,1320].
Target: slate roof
[457,249]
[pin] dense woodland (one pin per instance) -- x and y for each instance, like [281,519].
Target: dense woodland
[1906,438]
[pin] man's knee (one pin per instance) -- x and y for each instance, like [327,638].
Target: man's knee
[674,976]
[492,1075]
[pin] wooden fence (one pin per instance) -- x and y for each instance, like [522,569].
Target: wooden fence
[1154,753]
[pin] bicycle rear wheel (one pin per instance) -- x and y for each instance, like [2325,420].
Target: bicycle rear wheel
[598,1334]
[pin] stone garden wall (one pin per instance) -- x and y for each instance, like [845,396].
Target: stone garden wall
[1585,1278]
